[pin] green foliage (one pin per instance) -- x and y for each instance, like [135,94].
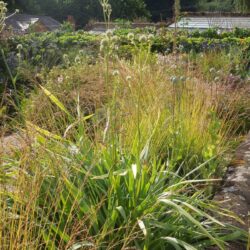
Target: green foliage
[47,49]
[83,10]
[96,203]
[242,6]
[123,23]
[215,5]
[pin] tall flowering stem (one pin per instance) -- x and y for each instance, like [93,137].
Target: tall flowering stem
[3,15]
[3,11]
[107,10]
[177,7]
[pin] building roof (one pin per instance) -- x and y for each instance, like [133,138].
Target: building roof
[222,22]
[20,23]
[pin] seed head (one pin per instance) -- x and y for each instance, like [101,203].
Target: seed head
[77,59]
[212,70]
[115,72]
[142,39]
[81,52]
[65,57]
[109,33]
[183,78]
[216,79]
[130,36]
[104,42]
[114,39]
[174,79]
[128,78]
[19,46]
[150,37]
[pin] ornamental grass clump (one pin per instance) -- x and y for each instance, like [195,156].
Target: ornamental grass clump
[141,178]
[68,195]
[121,154]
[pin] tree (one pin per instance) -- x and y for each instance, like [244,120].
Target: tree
[188,5]
[215,5]
[129,9]
[160,9]
[242,6]
[81,10]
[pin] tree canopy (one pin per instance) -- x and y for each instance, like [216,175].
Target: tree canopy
[85,10]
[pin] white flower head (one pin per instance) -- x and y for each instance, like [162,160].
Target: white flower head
[174,79]
[151,37]
[73,149]
[104,42]
[60,79]
[130,36]
[212,70]
[116,72]
[217,79]
[114,39]
[183,78]
[109,33]
[19,46]
[142,39]
[128,78]
[77,59]
[65,57]
[81,52]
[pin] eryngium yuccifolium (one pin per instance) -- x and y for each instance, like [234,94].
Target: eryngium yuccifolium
[109,33]
[150,37]
[77,59]
[115,73]
[66,58]
[174,79]
[142,39]
[183,78]
[131,36]
[128,78]
[104,42]
[2,4]
[81,52]
[217,79]
[212,70]
[19,47]
[114,39]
